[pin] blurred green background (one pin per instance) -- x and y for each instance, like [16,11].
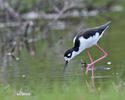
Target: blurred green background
[34,34]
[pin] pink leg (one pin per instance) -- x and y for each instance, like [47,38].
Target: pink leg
[91,62]
[105,54]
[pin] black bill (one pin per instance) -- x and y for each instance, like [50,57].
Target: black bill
[66,63]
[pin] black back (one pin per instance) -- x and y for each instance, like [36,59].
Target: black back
[92,31]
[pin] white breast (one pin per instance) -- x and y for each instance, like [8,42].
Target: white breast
[87,43]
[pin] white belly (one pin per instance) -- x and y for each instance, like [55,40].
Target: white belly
[87,43]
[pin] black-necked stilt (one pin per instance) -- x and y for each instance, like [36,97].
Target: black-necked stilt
[85,40]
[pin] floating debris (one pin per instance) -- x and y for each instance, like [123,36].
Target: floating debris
[109,62]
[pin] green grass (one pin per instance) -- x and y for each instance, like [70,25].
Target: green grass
[70,91]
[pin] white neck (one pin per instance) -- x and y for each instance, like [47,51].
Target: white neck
[74,53]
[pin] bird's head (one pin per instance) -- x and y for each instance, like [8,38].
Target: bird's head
[68,55]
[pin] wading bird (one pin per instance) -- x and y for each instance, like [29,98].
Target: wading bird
[85,40]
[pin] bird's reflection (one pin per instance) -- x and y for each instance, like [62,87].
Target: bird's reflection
[84,65]
[91,86]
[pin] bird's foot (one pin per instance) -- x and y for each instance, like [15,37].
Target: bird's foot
[84,64]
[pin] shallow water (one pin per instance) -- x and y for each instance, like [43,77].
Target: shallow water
[46,67]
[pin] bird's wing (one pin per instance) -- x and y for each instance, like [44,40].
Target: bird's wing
[92,31]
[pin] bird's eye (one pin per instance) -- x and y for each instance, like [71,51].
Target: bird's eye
[69,55]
